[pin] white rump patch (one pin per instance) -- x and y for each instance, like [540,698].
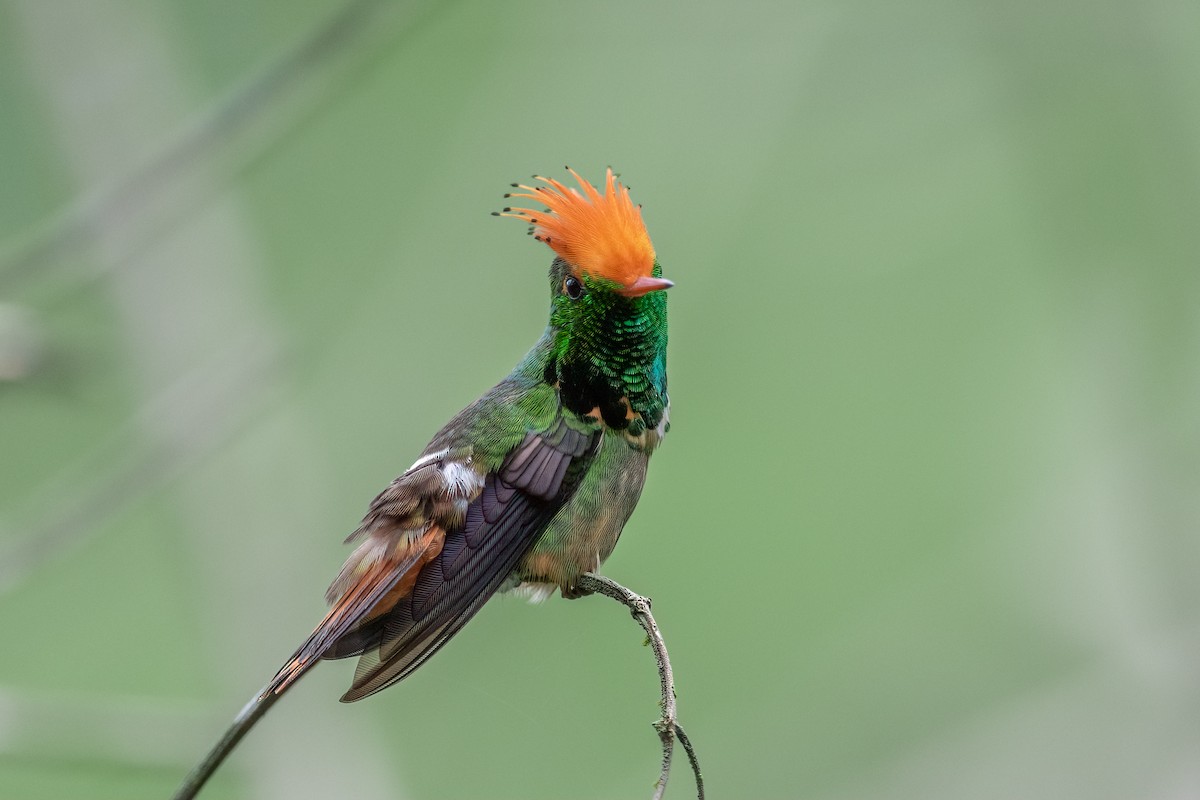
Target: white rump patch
[461,480]
[534,592]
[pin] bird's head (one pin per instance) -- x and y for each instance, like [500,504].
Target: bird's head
[608,306]
[599,238]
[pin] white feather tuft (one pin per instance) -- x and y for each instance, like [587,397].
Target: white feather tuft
[535,592]
[461,480]
[424,460]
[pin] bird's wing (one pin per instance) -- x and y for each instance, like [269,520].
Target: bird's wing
[513,508]
[435,545]
[403,530]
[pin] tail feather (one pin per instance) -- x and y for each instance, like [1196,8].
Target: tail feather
[382,575]
[385,577]
[241,725]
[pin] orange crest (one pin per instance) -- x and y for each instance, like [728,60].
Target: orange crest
[599,234]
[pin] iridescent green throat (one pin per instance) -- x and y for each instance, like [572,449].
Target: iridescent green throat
[608,349]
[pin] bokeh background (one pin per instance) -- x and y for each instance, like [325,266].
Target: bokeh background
[927,522]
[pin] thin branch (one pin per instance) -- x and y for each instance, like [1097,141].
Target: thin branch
[691,754]
[667,726]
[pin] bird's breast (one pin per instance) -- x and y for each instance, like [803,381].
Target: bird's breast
[584,532]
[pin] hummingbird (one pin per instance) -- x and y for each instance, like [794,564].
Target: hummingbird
[528,487]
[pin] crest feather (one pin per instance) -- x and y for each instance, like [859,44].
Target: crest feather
[601,235]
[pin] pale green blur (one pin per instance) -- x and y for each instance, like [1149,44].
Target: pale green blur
[926,525]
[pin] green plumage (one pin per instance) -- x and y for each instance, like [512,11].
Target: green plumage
[601,352]
[528,486]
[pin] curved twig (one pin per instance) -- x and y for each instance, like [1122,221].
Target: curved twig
[691,754]
[667,725]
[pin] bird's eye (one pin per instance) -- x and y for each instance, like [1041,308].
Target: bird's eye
[572,288]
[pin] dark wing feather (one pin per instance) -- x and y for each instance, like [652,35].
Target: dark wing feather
[516,504]
[345,619]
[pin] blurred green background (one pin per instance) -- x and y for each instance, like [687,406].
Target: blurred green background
[926,524]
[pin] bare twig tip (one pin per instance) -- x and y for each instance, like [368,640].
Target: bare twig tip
[666,726]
